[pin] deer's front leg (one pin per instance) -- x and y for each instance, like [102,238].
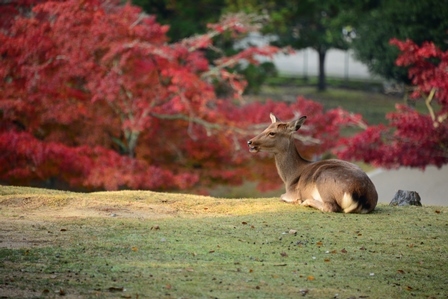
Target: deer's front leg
[288,198]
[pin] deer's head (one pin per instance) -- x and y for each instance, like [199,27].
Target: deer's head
[276,137]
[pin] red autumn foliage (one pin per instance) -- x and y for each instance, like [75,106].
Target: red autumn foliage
[93,96]
[411,138]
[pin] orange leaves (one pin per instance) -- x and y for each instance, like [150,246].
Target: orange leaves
[413,138]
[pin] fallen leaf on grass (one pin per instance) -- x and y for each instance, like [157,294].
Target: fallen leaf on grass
[326,260]
[284,254]
[155,227]
[134,248]
[343,250]
[319,243]
[310,277]
[116,289]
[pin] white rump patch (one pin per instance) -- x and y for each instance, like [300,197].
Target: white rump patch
[348,204]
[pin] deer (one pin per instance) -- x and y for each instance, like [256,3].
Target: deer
[328,185]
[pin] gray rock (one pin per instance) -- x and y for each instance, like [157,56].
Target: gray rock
[406,198]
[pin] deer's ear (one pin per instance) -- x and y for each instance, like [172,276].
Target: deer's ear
[274,118]
[296,124]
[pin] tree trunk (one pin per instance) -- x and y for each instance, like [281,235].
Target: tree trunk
[321,84]
[131,138]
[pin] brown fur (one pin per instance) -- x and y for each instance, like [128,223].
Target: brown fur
[328,185]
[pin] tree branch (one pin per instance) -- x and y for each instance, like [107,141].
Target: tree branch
[252,129]
[428,105]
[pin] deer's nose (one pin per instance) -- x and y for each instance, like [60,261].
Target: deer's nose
[249,142]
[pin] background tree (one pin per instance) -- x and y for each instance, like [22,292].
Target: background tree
[93,96]
[185,18]
[379,21]
[302,24]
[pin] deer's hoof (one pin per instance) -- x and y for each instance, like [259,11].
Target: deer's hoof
[288,199]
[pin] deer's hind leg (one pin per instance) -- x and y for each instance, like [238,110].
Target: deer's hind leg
[320,199]
[322,206]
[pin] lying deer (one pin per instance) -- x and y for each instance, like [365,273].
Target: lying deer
[328,185]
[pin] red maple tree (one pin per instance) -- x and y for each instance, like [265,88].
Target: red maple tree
[94,96]
[411,138]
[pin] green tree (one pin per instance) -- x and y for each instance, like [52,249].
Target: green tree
[305,23]
[185,18]
[418,20]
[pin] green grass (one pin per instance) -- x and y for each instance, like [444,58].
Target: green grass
[332,82]
[372,105]
[135,244]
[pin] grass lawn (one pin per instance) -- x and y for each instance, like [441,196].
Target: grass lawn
[364,97]
[373,106]
[142,244]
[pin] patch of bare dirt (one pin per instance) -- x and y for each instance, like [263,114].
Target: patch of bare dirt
[25,232]
[38,217]
[37,207]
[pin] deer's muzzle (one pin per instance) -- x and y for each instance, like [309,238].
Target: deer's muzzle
[252,148]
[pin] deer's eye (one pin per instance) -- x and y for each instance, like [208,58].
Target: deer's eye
[271,134]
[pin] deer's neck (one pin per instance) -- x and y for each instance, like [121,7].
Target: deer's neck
[289,163]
